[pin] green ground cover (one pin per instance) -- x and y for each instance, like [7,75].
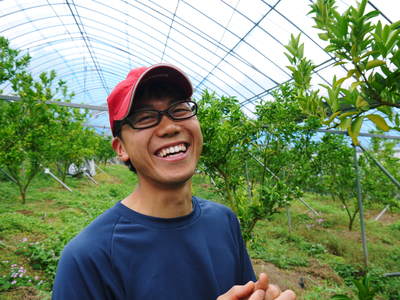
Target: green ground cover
[316,256]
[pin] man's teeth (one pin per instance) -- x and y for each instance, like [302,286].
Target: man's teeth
[172,150]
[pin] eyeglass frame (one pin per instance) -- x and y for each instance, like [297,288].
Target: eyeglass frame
[160,114]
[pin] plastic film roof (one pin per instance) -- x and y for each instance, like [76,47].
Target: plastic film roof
[232,47]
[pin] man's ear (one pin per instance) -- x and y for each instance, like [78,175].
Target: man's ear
[119,148]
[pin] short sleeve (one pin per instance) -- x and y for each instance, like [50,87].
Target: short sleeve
[85,273]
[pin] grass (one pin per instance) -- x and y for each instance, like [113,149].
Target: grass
[317,256]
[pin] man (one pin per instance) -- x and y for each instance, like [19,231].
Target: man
[160,242]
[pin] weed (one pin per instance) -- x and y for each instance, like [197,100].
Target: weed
[14,222]
[347,272]
[313,249]
[51,222]
[395,226]
[44,255]
[17,276]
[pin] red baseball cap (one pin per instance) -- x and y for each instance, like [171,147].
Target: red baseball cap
[121,98]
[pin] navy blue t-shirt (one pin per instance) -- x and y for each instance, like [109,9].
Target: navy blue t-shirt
[126,255]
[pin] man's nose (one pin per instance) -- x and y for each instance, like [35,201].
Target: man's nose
[167,127]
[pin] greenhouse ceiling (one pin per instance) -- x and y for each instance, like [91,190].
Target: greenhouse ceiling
[234,47]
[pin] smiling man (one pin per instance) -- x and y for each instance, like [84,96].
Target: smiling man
[160,242]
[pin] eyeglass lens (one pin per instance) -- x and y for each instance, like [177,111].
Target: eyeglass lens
[148,118]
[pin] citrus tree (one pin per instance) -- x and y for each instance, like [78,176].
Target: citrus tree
[28,127]
[252,160]
[103,150]
[336,173]
[286,139]
[73,143]
[11,61]
[227,134]
[36,133]
[369,51]
[379,187]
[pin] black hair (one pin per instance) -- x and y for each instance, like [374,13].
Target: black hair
[150,90]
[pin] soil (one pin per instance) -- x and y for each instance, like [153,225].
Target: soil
[25,212]
[297,279]
[21,293]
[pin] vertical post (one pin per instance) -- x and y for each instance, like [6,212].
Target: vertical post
[360,206]
[289,219]
[248,181]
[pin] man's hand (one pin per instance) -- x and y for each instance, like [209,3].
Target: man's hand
[239,292]
[260,290]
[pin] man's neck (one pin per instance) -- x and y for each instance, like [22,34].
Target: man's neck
[165,202]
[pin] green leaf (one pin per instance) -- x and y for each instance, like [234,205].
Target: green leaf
[323,36]
[360,103]
[344,124]
[339,63]
[340,81]
[392,38]
[332,117]
[351,72]
[371,14]
[379,122]
[372,52]
[355,129]
[290,58]
[374,63]
[395,25]
[291,68]
[361,8]
[346,114]
[355,84]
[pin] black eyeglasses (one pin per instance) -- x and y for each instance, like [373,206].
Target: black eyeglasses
[146,118]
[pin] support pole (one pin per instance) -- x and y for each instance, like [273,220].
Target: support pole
[248,181]
[309,207]
[387,173]
[90,177]
[47,171]
[360,206]
[100,169]
[382,213]
[277,178]
[395,274]
[264,166]
[8,175]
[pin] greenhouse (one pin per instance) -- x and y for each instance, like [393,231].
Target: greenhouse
[285,112]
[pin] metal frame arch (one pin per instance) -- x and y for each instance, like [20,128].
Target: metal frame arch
[146,43]
[214,42]
[198,44]
[46,43]
[150,62]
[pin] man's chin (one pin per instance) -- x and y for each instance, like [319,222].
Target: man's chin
[176,180]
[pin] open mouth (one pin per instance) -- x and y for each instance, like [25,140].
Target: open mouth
[172,150]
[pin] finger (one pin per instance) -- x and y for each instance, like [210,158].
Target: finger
[272,292]
[258,295]
[287,295]
[238,291]
[262,282]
